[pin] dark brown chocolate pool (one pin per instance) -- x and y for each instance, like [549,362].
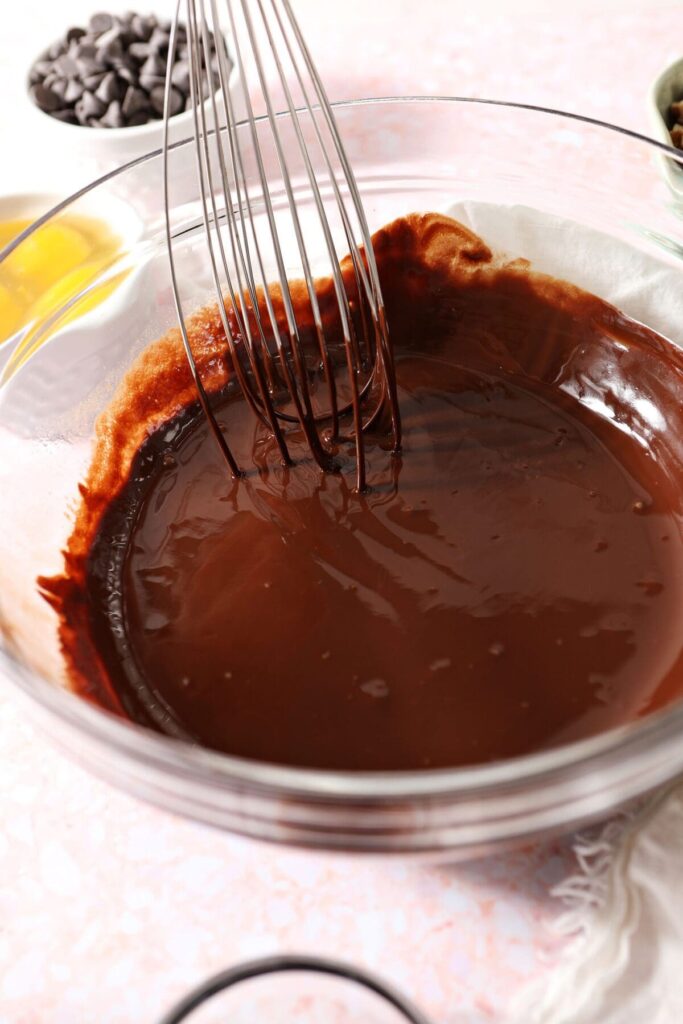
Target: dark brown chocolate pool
[513,581]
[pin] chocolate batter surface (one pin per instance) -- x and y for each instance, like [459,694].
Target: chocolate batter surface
[514,580]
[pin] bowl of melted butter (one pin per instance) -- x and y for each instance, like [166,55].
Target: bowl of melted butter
[482,646]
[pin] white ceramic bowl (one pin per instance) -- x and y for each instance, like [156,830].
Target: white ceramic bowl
[96,151]
[666,88]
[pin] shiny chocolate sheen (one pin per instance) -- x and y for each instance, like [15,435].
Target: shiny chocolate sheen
[513,581]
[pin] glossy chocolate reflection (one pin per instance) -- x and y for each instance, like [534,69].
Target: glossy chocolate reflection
[514,581]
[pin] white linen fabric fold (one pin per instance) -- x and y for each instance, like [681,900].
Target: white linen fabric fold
[624,909]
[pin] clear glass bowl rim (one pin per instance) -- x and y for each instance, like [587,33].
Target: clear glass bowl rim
[663,729]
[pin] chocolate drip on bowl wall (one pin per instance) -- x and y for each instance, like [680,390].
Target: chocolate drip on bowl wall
[514,580]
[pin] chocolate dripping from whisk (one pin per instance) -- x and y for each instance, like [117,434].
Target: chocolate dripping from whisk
[246,313]
[374,411]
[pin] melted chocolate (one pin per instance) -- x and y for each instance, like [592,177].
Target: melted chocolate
[513,580]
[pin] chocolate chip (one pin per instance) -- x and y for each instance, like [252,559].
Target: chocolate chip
[115,34]
[147,83]
[134,101]
[89,106]
[56,50]
[68,116]
[92,82]
[180,76]
[143,27]
[74,34]
[43,67]
[74,91]
[59,87]
[156,97]
[67,66]
[90,66]
[154,67]
[204,90]
[124,61]
[100,23]
[139,50]
[127,75]
[109,45]
[113,117]
[158,42]
[85,50]
[45,98]
[140,118]
[109,89]
[176,100]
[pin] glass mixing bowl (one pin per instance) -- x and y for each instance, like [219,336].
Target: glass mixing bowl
[61,370]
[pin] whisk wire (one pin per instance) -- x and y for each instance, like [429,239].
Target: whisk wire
[240,247]
[376,291]
[276,367]
[350,344]
[201,391]
[362,283]
[203,56]
[297,386]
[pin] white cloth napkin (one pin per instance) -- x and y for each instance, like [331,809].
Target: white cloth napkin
[624,907]
[646,282]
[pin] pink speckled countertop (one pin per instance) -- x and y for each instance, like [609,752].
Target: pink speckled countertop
[110,909]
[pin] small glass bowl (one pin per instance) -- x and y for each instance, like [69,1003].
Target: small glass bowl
[408,154]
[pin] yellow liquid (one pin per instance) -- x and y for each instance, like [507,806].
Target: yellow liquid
[49,268]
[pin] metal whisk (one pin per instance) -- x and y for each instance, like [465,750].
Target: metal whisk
[282,364]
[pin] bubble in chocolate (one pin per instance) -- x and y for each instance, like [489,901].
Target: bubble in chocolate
[376,688]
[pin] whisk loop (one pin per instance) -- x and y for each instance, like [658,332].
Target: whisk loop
[283,359]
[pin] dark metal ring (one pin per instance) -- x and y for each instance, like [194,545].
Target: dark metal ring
[292,962]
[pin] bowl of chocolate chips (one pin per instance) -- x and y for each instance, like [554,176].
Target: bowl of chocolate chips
[103,86]
[483,643]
